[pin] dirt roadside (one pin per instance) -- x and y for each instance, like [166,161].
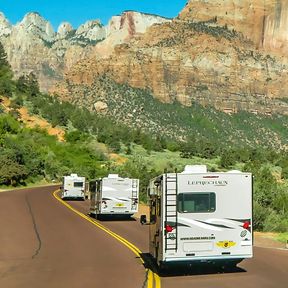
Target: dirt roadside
[33,121]
[267,240]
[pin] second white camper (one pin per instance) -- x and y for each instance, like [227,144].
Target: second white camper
[114,195]
[73,187]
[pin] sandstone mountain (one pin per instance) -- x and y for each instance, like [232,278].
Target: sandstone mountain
[33,46]
[230,54]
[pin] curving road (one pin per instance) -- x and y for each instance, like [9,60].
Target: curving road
[268,268]
[44,244]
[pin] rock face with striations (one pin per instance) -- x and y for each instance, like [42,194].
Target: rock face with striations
[33,46]
[229,54]
[264,22]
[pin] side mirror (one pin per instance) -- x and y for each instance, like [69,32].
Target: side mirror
[143,219]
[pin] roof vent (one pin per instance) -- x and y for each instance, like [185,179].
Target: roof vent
[74,175]
[234,171]
[113,176]
[195,169]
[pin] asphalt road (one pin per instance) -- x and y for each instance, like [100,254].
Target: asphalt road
[44,244]
[268,268]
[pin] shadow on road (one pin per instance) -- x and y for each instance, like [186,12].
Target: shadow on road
[187,270]
[71,199]
[116,217]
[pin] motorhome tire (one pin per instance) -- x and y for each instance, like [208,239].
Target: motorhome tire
[162,268]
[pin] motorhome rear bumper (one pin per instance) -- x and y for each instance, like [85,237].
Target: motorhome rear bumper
[73,197]
[213,260]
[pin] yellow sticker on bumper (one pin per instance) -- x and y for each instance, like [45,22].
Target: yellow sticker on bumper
[119,205]
[226,244]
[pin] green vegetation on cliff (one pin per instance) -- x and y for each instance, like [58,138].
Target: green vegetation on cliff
[138,109]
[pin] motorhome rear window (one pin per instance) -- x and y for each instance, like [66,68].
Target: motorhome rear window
[78,184]
[196,202]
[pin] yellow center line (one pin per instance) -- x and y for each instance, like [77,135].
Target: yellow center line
[150,280]
[157,280]
[151,275]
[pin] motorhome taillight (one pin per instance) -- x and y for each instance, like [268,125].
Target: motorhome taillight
[246,225]
[168,228]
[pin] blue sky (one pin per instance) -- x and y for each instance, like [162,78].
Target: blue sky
[78,12]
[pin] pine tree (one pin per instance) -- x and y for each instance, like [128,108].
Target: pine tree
[3,57]
[6,75]
[33,84]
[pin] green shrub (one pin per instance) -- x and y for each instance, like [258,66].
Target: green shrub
[275,222]
[259,216]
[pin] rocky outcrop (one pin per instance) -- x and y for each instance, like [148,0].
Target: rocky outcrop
[33,46]
[276,29]
[35,26]
[27,47]
[244,16]
[130,23]
[5,26]
[63,29]
[122,28]
[92,30]
[263,22]
[100,107]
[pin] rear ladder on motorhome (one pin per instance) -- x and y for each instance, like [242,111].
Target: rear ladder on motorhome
[134,196]
[171,191]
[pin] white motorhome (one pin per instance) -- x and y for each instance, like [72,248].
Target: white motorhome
[114,195]
[73,187]
[199,216]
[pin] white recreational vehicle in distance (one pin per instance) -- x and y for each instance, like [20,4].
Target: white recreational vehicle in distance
[73,186]
[199,216]
[114,195]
